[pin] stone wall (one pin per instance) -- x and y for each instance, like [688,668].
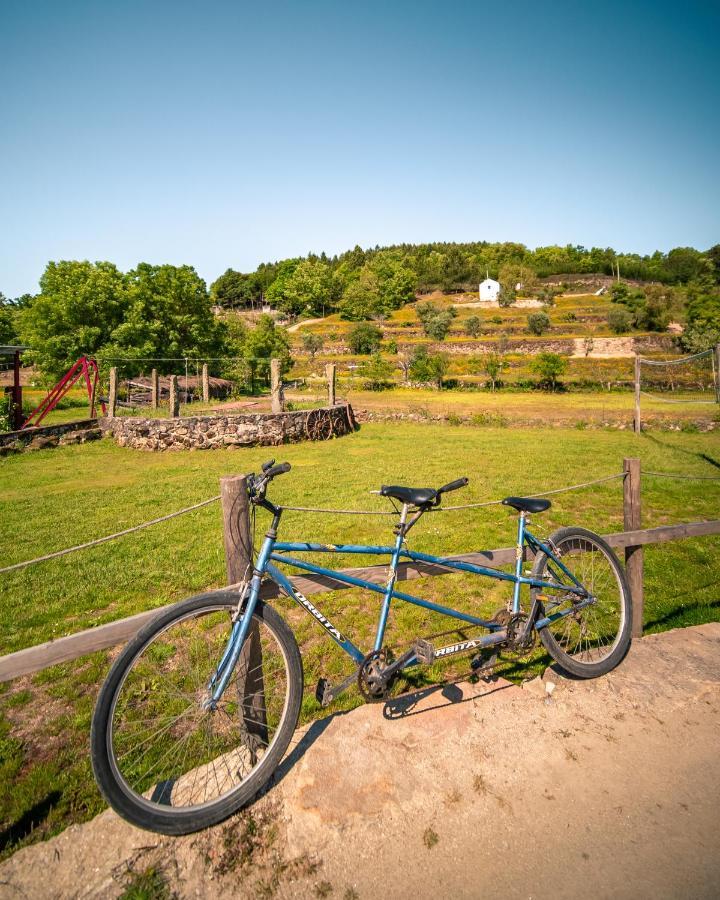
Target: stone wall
[49,436]
[247,430]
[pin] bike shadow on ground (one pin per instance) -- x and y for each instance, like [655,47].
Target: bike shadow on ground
[415,703]
[402,707]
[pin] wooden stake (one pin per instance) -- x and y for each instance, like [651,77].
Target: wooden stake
[205,384]
[632,516]
[112,395]
[330,370]
[239,561]
[154,389]
[717,372]
[277,400]
[174,397]
[637,424]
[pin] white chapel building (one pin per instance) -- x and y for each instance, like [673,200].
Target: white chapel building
[489,289]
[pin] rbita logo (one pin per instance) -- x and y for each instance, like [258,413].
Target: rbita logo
[319,616]
[456,648]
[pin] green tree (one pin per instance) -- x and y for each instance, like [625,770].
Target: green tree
[361,298]
[312,343]
[364,338]
[435,319]
[703,321]
[473,326]
[78,309]
[169,316]
[262,343]
[234,290]
[428,367]
[494,366]
[377,373]
[538,323]
[309,289]
[549,367]
[8,325]
[620,319]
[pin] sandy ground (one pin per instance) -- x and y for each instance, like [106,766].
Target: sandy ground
[609,788]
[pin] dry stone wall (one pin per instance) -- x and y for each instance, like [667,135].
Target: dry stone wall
[247,430]
[47,436]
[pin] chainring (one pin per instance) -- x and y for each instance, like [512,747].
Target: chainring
[515,627]
[371,683]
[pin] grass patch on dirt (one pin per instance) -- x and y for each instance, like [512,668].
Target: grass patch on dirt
[55,498]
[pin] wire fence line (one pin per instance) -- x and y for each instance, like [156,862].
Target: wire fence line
[110,537]
[341,512]
[675,362]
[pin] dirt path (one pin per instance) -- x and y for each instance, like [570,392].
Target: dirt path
[298,325]
[611,786]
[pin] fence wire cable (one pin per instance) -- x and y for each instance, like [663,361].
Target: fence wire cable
[110,537]
[667,399]
[674,362]
[338,512]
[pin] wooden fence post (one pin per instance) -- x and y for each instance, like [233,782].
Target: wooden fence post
[637,425]
[174,397]
[330,375]
[277,399]
[717,372]
[205,384]
[154,389]
[632,516]
[112,395]
[239,560]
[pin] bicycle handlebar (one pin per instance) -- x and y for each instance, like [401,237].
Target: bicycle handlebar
[453,486]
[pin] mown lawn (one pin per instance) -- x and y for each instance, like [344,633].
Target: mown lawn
[56,498]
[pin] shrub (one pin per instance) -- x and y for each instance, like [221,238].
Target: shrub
[377,373]
[435,319]
[364,338]
[538,323]
[619,319]
[473,326]
[549,366]
[312,343]
[497,320]
[428,367]
[5,409]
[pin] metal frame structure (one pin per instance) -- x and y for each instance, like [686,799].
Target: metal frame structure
[86,368]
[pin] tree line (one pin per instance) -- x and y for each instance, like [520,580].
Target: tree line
[362,284]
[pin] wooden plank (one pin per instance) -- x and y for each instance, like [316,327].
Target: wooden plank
[663,534]
[33,659]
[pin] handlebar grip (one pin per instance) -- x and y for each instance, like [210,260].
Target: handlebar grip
[278,470]
[453,486]
[266,466]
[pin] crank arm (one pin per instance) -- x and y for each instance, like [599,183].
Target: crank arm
[325,694]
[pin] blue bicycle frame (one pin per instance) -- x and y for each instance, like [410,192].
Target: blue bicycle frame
[274,551]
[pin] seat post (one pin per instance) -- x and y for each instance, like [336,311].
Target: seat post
[522,521]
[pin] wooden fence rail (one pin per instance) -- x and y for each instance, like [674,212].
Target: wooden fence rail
[237,531]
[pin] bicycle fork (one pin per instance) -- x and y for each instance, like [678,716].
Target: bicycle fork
[241,625]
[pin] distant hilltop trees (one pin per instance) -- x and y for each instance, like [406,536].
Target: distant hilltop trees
[361,284]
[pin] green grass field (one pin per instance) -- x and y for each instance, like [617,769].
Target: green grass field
[56,498]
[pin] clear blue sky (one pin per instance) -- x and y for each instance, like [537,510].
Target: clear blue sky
[228,133]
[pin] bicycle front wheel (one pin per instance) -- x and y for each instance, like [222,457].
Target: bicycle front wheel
[590,641]
[165,761]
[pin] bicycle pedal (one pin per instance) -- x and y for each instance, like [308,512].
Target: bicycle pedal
[478,664]
[322,690]
[424,651]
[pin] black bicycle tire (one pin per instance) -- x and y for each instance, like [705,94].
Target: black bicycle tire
[177,822]
[564,660]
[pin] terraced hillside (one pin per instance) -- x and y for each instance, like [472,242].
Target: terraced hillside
[578,330]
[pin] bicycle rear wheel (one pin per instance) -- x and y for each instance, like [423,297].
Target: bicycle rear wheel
[163,760]
[590,641]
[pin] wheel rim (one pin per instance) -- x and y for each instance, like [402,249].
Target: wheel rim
[590,635]
[168,752]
